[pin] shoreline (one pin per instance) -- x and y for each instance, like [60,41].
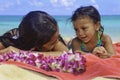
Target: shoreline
[115,40]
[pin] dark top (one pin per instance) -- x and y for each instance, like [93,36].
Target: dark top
[11,38]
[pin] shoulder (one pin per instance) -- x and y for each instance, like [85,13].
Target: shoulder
[75,44]
[76,40]
[106,38]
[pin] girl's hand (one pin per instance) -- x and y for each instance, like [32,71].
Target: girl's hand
[79,51]
[9,49]
[100,52]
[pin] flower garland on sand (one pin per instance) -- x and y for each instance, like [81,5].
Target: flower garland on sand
[67,62]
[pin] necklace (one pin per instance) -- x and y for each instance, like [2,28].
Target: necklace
[99,43]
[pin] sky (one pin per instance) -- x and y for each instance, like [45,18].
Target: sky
[57,7]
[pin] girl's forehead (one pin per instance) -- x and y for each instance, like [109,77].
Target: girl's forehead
[83,21]
[83,16]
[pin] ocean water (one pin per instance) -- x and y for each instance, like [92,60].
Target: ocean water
[111,24]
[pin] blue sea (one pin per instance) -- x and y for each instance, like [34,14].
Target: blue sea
[111,24]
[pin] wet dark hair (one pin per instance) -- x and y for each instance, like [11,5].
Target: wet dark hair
[87,11]
[36,29]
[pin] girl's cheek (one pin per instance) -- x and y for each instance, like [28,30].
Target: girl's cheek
[78,37]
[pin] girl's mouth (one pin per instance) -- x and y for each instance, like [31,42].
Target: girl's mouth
[83,38]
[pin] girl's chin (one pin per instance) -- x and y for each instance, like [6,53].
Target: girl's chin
[85,41]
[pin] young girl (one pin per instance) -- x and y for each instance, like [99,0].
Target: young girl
[38,31]
[90,38]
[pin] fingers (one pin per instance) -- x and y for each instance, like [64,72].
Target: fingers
[99,51]
[103,51]
[9,50]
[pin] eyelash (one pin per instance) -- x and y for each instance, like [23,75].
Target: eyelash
[82,28]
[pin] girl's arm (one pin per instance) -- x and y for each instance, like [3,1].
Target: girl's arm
[8,49]
[52,53]
[16,50]
[58,49]
[106,50]
[76,46]
[109,45]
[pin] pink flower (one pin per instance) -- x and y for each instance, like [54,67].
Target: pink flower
[67,62]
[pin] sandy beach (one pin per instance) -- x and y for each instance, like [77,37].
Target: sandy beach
[12,72]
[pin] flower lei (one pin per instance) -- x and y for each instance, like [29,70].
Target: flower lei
[67,62]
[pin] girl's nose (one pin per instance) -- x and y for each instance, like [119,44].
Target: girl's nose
[80,32]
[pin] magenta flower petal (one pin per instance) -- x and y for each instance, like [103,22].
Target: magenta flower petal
[67,62]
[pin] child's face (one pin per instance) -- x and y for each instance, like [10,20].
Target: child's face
[86,29]
[50,45]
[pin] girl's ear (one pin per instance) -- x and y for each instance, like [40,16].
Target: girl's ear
[98,26]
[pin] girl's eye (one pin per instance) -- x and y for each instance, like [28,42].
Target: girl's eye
[85,28]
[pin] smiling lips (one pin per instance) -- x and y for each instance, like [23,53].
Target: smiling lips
[83,38]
